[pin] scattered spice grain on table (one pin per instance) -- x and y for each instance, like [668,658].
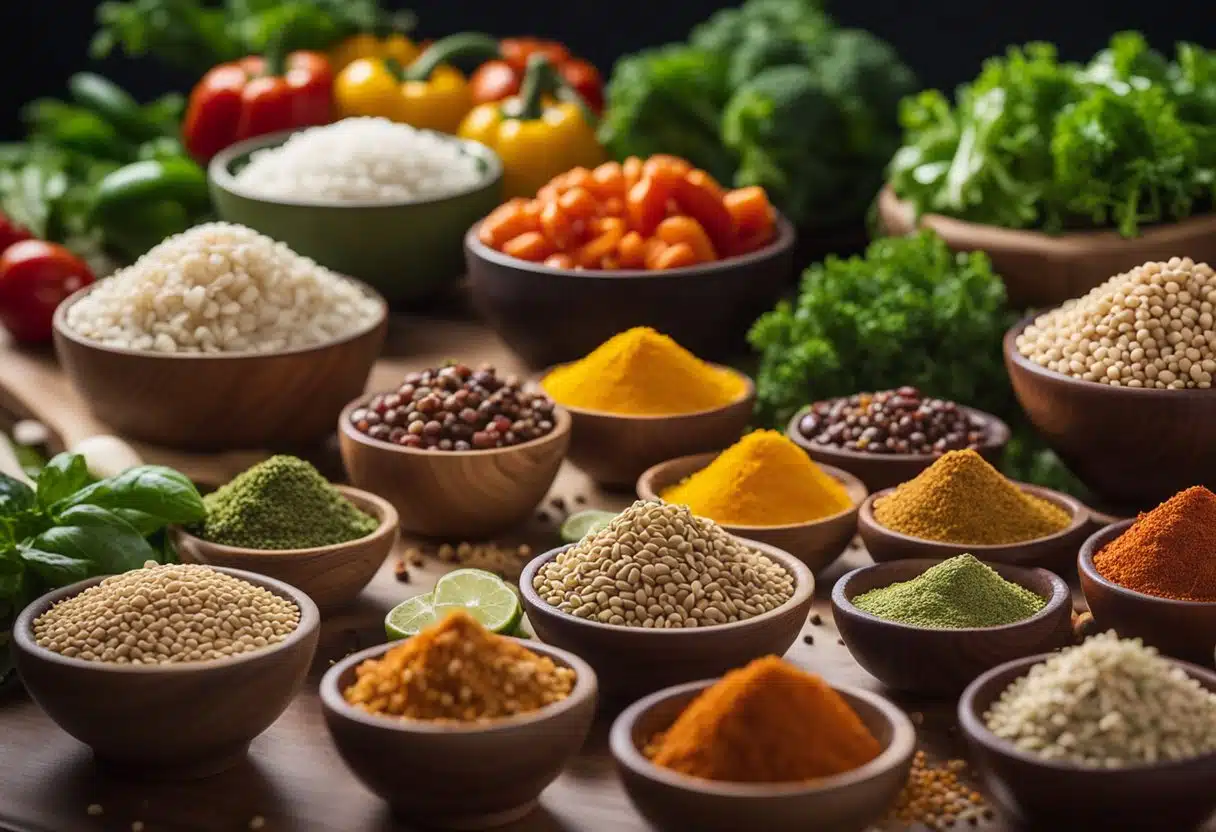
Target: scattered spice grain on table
[961,498]
[936,797]
[764,479]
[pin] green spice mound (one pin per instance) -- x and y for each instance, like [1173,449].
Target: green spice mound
[956,593]
[282,503]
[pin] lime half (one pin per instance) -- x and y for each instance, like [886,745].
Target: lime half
[583,523]
[484,595]
[411,617]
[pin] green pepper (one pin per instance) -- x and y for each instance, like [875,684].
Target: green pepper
[114,104]
[139,205]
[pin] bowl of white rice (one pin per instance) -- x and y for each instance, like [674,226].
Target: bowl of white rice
[221,338]
[383,202]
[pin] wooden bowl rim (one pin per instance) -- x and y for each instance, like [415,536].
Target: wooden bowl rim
[620,740]
[59,322]
[646,490]
[748,394]
[783,242]
[804,588]
[380,508]
[974,728]
[1060,595]
[219,172]
[561,428]
[1077,511]
[1086,566]
[996,436]
[310,620]
[585,687]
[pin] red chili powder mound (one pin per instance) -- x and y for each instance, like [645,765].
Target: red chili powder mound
[1169,552]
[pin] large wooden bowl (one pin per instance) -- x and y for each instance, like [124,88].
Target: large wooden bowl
[1134,448]
[214,402]
[465,495]
[1043,270]
[332,576]
[177,721]
[817,543]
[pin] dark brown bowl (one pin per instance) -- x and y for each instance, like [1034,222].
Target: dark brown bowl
[1054,795]
[879,471]
[550,316]
[944,661]
[1183,629]
[848,802]
[632,661]
[458,775]
[817,543]
[178,721]
[1056,551]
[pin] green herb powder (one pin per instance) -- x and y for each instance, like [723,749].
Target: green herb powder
[956,593]
[282,503]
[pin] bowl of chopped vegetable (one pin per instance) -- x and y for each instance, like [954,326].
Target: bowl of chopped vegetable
[380,201]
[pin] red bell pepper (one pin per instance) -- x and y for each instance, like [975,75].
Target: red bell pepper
[11,232]
[35,277]
[498,79]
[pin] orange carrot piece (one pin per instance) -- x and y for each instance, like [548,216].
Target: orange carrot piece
[654,250]
[531,245]
[578,203]
[631,169]
[682,229]
[597,248]
[664,161]
[675,257]
[505,222]
[613,206]
[647,205]
[556,224]
[632,251]
[750,209]
[560,261]
[608,180]
[699,196]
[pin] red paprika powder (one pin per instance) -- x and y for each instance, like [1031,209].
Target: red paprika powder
[1169,552]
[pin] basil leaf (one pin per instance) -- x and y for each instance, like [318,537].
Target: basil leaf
[55,569]
[142,522]
[152,489]
[102,538]
[62,477]
[12,574]
[27,524]
[15,496]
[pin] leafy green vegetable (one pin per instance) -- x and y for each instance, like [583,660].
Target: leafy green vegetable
[62,477]
[152,489]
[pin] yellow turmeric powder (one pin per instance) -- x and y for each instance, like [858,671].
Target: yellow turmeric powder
[768,722]
[764,479]
[641,372]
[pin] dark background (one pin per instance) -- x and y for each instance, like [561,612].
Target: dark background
[43,41]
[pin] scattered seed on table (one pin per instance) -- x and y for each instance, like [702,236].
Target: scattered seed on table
[808,639]
[95,809]
[257,822]
[840,641]
[580,499]
[402,572]
[816,619]
[137,826]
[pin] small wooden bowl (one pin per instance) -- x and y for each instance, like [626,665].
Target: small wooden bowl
[879,471]
[1053,795]
[817,543]
[332,576]
[455,494]
[1183,629]
[178,721]
[944,661]
[457,775]
[632,661]
[1054,550]
[675,802]
[215,402]
[615,448]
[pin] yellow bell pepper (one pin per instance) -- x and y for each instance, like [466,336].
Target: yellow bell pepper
[535,134]
[428,93]
[396,46]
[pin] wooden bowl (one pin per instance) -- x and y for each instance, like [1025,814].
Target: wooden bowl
[1054,551]
[1183,629]
[455,775]
[944,661]
[1172,446]
[179,721]
[549,316]
[1042,269]
[817,543]
[332,576]
[214,402]
[879,471]
[1056,795]
[632,661]
[613,449]
[674,802]
[455,494]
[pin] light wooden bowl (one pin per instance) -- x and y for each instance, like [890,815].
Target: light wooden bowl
[213,402]
[944,661]
[332,576]
[179,721]
[1183,629]
[1056,551]
[453,775]
[615,448]
[455,494]
[674,802]
[817,543]
[1046,795]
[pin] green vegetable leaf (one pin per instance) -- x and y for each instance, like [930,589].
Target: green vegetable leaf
[99,537]
[142,522]
[15,496]
[54,569]
[12,576]
[62,477]
[152,489]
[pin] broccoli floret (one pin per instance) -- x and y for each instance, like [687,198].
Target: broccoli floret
[727,30]
[764,51]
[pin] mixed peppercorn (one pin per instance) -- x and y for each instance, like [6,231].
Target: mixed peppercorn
[898,421]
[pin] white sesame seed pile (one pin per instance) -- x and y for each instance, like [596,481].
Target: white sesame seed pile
[1150,327]
[362,160]
[656,565]
[166,615]
[1106,704]
[221,288]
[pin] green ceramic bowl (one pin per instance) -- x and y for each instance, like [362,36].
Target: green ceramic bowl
[406,250]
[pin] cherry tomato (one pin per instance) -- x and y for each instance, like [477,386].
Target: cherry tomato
[35,277]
